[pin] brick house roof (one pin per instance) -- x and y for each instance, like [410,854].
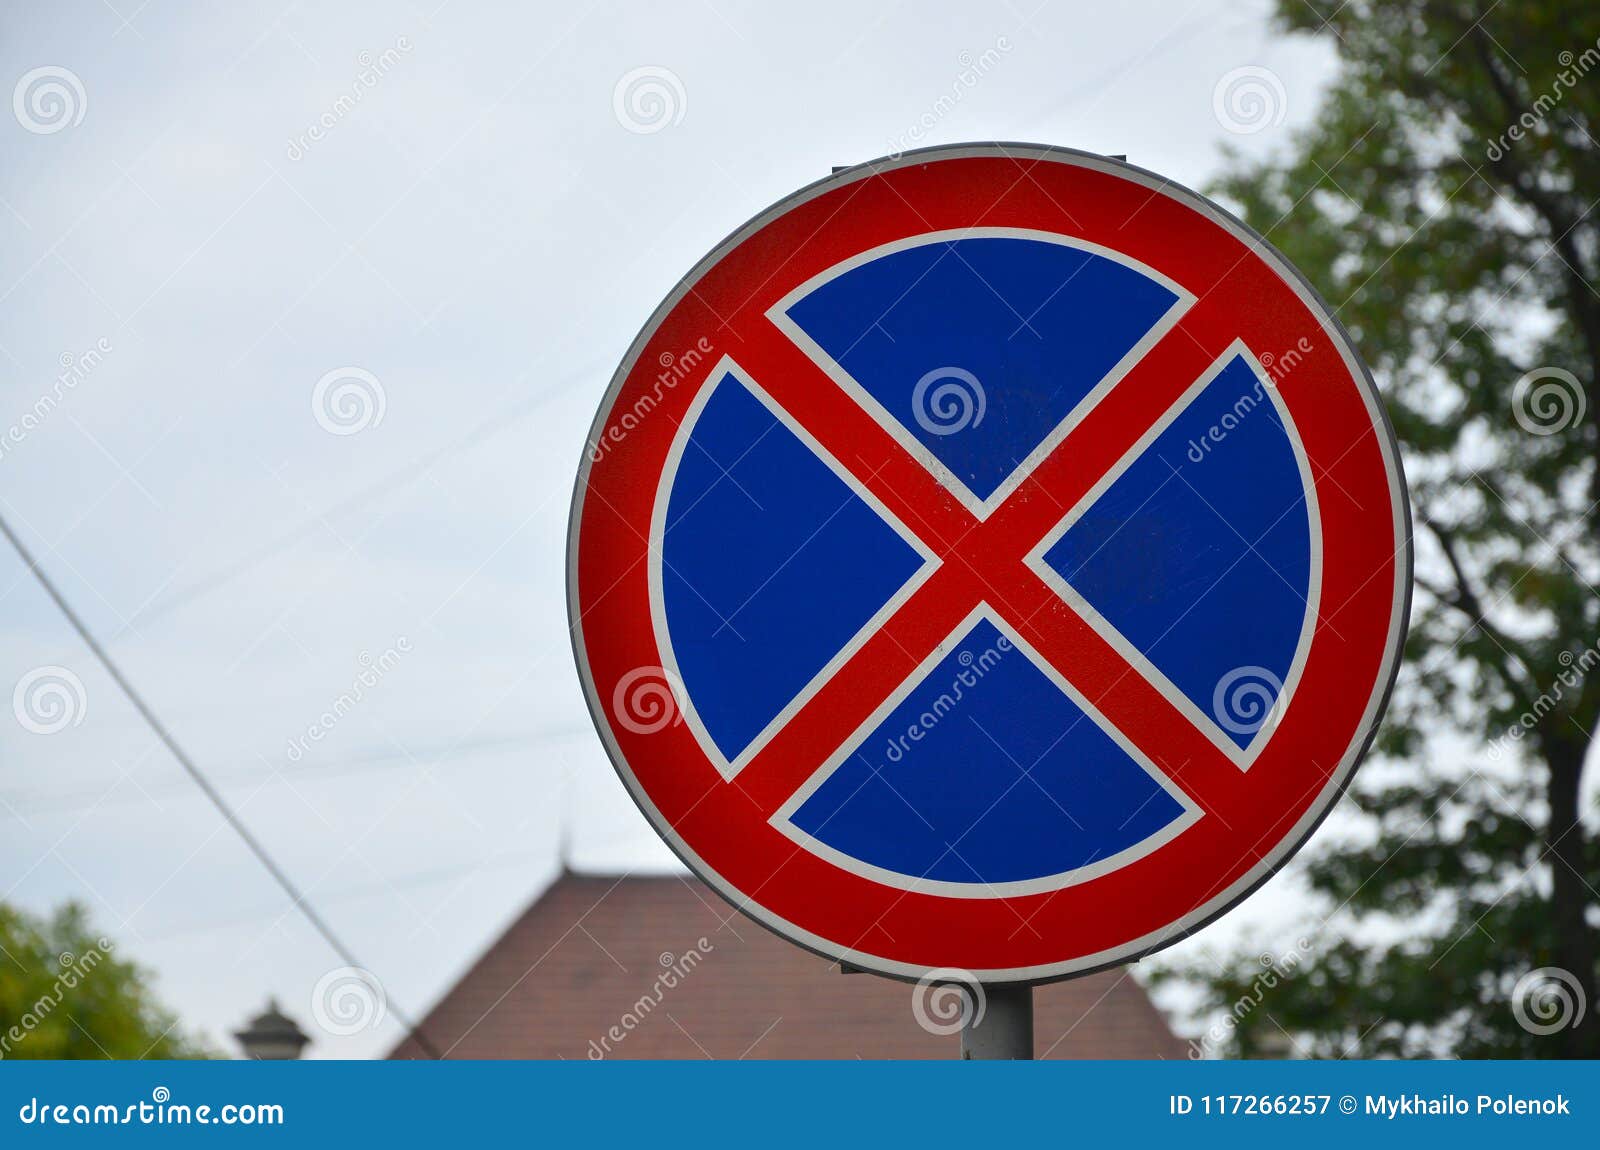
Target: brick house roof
[597,956]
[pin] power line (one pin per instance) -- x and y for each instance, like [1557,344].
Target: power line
[484,430]
[366,890]
[76,802]
[297,897]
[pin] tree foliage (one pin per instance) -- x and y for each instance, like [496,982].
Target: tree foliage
[65,994]
[1444,201]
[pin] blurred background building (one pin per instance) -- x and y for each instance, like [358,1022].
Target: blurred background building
[620,966]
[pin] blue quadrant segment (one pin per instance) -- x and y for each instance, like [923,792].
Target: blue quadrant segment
[1036,324]
[770,564]
[1200,553]
[987,772]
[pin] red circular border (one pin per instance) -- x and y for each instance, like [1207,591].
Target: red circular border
[1253,820]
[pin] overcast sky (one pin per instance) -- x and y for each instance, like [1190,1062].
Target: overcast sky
[329,390]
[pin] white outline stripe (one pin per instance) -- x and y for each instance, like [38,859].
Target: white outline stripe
[980,508]
[725,368]
[978,888]
[1205,722]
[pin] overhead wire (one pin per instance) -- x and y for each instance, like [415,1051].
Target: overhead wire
[386,484]
[230,816]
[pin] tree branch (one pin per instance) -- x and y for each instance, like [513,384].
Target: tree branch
[1464,598]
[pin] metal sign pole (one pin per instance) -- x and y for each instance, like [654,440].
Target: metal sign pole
[1003,1027]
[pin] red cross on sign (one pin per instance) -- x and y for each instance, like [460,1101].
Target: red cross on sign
[993,558]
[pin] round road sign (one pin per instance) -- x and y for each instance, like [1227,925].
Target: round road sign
[995,558]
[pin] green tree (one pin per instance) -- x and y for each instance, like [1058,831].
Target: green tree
[1444,201]
[65,994]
